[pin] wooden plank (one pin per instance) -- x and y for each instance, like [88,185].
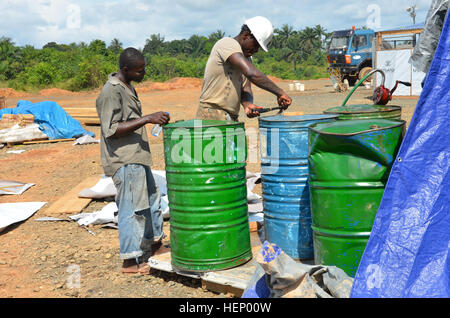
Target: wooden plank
[70,202]
[84,115]
[91,114]
[80,108]
[89,121]
[254,226]
[400,32]
[46,141]
[222,287]
[10,144]
[293,113]
[234,280]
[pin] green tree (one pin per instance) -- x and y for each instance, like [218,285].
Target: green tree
[282,35]
[309,41]
[98,47]
[286,32]
[196,45]
[92,72]
[56,46]
[10,59]
[154,45]
[321,34]
[115,46]
[176,47]
[294,50]
[293,54]
[42,74]
[216,36]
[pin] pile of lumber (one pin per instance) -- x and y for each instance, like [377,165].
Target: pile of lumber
[2,102]
[10,120]
[87,116]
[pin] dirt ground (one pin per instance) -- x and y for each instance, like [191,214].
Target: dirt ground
[37,258]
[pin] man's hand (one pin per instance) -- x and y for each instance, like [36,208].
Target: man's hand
[127,127]
[284,100]
[251,110]
[255,76]
[160,118]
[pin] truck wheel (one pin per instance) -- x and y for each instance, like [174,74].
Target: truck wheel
[363,72]
[351,80]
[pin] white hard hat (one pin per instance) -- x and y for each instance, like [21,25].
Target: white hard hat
[262,30]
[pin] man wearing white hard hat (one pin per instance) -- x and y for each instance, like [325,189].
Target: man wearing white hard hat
[229,73]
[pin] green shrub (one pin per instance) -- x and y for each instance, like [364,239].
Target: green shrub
[164,67]
[92,72]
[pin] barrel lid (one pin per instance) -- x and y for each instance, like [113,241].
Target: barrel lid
[201,123]
[361,108]
[352,127]
[283,118]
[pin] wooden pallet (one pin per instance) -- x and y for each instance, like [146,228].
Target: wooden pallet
[70,202]
[234,280]
[45,141]
[9,120]
[87,116]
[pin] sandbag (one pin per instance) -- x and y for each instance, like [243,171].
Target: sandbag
[277,275]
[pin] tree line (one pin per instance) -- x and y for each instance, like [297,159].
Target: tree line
[293,54]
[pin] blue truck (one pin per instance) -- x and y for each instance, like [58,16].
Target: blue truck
[350,53]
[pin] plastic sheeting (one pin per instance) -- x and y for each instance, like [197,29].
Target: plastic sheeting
[52,119]
[407,254]
[18,134]
[13,187]
[11,213]
[424,50]
[277,275]
[394,64]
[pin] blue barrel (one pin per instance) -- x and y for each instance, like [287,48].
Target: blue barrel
[284,176]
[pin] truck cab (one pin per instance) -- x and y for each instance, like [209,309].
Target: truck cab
[350,52]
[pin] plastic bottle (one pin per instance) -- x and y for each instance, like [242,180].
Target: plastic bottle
[156,130]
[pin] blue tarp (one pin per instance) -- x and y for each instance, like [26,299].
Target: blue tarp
[52,119]
[407,254]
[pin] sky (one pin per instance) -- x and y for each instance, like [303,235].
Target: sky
[37,22]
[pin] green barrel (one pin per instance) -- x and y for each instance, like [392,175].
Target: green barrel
[349,164]
[349,112]
[206,182]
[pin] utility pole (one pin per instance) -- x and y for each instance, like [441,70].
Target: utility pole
[412,12]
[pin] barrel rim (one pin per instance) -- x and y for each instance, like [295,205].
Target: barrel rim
[179,265]
[317,230]
[401,122]
[217,123]
[390,108]
[299,118]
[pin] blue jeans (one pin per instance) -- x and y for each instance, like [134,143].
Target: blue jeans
[140,219]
